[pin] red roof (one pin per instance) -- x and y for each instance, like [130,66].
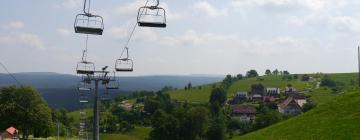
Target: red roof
[11,130]
[287,102]
[244,109]
[268,98]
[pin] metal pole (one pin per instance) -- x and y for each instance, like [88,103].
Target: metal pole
[58,132]
[96,112]
[359,64]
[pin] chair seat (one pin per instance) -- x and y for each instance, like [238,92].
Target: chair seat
[85,72]
[88,30]
[152,24]
[124,69]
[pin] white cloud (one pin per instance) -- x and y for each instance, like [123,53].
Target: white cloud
[14,25]
[118,32]
[64,32]
[129,9]
[280,5]
[71,4]
[338,23]
[20,39]
[206,8]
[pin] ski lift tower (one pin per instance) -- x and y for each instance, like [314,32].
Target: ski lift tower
[98,76]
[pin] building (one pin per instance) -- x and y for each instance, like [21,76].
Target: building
[289,107]
[289,90]
[240,97]
[268,99]
[273,92]
[244,113]
[257,92]
[10,134]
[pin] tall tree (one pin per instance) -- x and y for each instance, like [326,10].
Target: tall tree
[267,72]
[217,129]
[26,110]
[286,72]
[218,95]
[275,72]
[239,76]
[252,73]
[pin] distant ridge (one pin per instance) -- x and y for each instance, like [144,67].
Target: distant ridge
[58,89]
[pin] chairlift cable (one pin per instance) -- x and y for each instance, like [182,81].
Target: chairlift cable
[131,34]
[12,76]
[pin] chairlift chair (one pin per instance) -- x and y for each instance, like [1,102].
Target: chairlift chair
[84,85]
[151,16]
[85,67]
[124,64]
[83,99]
[89,24]
[112,83]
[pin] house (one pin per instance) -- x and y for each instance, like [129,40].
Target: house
[240,97]
[257,92]
[9,134]
[244,113]
[273,92]
[268,98]
[289,90]
[289,107]
[300,98]
[256,97]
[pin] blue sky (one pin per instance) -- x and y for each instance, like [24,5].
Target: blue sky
[202,37]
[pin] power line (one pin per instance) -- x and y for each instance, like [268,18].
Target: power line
[12,76]
[131,34]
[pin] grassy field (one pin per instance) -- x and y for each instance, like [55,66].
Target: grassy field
[140,133]
[202,95]
[336,117]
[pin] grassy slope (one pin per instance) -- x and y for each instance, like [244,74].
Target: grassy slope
[196,95]
[338,118]
[139,133]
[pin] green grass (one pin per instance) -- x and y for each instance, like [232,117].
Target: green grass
[202,96]
[193,95]
[334,118]
[139,133]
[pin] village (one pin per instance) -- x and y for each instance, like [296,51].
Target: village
[244,104]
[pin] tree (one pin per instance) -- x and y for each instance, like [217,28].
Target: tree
[165,126]
[252,73]
[193,122]
[25,109]
[327,81]
[239,76]
[218,95]
[267,72]
[307,106]
[276,72]
[296,76]
[189,86]
[217,129]
[285,72]
[267,118]
[305,77]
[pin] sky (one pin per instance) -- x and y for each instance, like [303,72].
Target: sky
[202,36]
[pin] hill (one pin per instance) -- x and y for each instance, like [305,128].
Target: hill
[60,89]
[338,118]
[202,95]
